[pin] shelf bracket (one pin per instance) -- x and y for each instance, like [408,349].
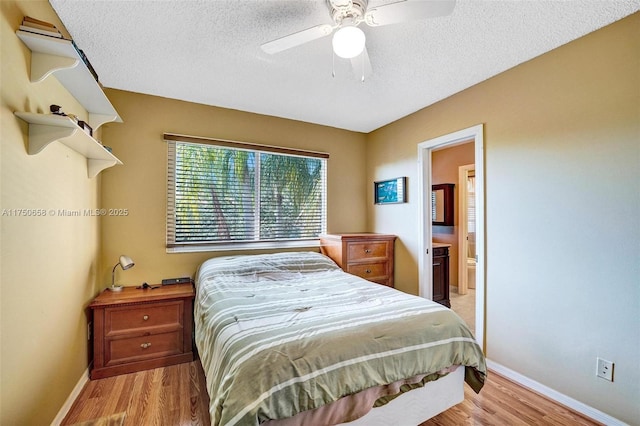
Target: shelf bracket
[94,167]
[97,120]
[42,65]
[42,135]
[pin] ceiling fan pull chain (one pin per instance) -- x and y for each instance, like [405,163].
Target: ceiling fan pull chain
[362,62]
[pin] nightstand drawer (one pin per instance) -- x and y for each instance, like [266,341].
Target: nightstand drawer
[369,271]
[119,351]
[367,250]
[129,319]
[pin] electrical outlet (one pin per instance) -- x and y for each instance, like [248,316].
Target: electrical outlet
[89,325]
[605,369]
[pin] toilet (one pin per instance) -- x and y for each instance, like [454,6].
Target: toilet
[471,273]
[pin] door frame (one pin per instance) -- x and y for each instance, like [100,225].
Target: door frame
[463,231]
[425,274]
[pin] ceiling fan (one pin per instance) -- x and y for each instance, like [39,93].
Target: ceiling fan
[349,40]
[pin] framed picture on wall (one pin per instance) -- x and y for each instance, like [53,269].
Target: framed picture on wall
[390,191]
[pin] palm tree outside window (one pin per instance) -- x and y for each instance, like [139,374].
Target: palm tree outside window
[236,193]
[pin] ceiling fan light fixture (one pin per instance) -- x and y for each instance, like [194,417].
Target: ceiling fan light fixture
[348,42]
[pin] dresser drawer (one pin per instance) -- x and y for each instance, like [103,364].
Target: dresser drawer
[367,250]
[125,350]
[367,255]
[129,319]
[369,271]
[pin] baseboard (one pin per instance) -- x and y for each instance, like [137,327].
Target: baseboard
[554,395]
[64,410]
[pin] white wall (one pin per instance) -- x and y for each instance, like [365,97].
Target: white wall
[562,164]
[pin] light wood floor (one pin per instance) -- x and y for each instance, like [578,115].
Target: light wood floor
[176,396]
[503,402]
[168,396]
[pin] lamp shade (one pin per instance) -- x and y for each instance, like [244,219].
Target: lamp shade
[348,42]
[126,262]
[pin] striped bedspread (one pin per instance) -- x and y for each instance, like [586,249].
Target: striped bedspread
[284,333]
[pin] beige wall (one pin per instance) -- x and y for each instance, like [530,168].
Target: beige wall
[562,176]
[444,169]
[140,185]
[49,264]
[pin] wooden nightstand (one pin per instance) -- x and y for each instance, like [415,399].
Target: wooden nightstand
[369,256]
[136,329]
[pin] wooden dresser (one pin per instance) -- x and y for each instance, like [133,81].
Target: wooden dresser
[366,255]
[441,273]
[137,329]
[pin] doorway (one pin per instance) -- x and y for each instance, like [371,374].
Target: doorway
[425,259]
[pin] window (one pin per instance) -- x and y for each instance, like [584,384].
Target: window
[221,195]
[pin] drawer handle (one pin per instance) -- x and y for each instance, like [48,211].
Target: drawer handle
[145,345]
[368,271]
[146,317]
[367,250]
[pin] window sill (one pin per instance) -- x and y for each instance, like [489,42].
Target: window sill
[267,245]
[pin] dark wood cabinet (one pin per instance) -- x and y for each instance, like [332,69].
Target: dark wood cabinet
[441,274]
[366,255]
[138,329]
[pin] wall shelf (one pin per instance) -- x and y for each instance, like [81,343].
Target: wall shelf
[57,56]
[47,128]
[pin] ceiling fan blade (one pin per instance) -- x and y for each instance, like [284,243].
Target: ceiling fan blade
[408,10]
[296,39]
[361,65]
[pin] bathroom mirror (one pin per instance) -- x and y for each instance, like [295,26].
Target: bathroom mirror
[442,204]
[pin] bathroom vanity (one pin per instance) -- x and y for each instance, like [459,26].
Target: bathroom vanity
[441,273]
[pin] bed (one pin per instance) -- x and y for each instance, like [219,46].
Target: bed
[290,339]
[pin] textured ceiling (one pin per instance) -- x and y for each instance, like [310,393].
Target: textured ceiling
[209,52]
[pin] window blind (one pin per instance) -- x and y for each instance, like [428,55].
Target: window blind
[222,193]
[471,203]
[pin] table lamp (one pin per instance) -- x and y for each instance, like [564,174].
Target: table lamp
[125,263]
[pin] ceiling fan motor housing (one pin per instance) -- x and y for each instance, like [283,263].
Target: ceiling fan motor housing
[350,11]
